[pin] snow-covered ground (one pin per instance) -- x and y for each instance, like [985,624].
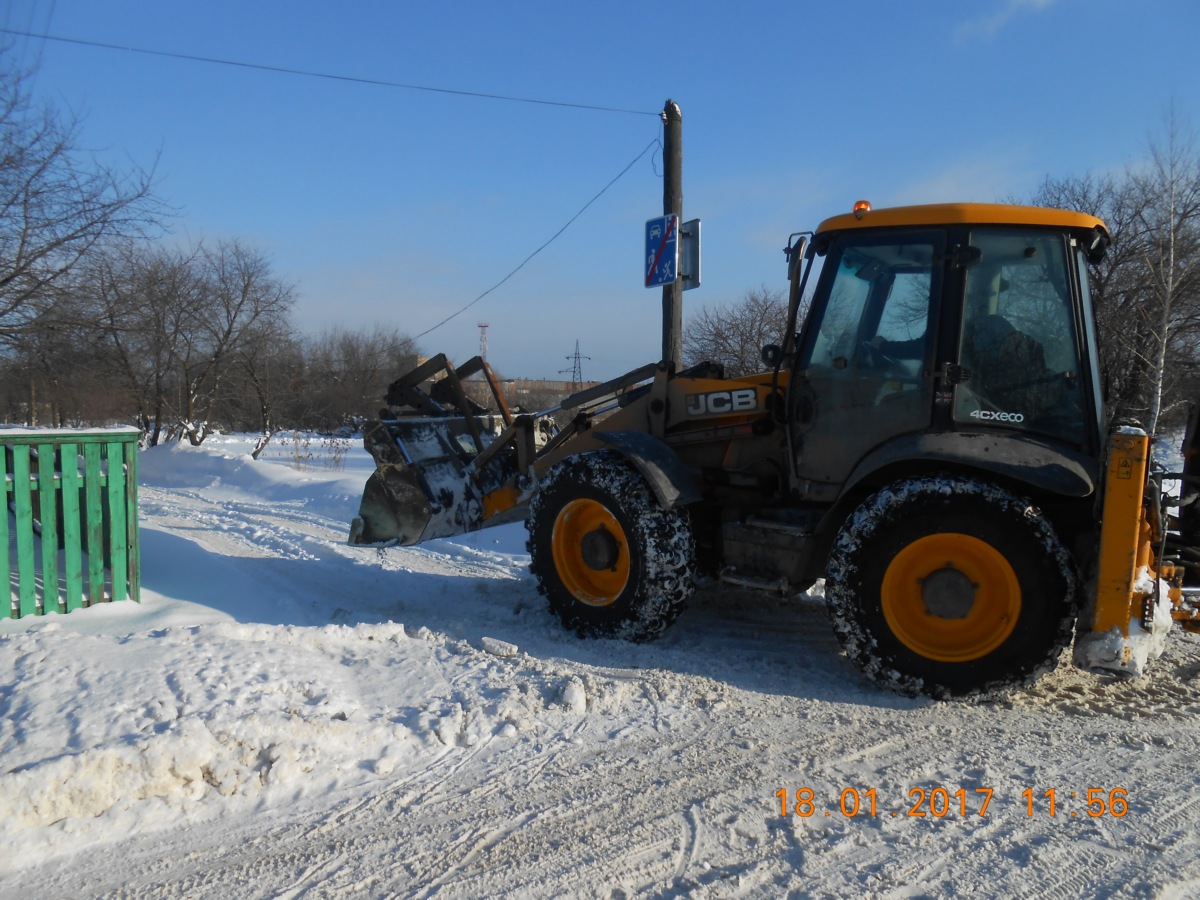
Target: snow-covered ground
[286,715]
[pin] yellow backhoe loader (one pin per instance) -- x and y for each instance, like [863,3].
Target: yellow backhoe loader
[931,442]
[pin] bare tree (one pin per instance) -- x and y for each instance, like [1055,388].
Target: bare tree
[1146,293]
[267,372]
[63,364]
[349,371]
[176,322]
[1169,224]
[144,300]
[734,334]
[235,292]
[56,205]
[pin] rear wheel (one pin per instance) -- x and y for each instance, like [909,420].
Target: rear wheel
[949,585]
[610,561]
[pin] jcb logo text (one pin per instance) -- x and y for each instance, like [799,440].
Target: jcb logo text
[718,402]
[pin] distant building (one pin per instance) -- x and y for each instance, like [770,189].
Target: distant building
[530,394]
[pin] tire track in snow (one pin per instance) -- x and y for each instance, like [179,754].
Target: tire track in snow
[258,530]
[467,845]
[586,817]
[691,841]
[305,560]
[606,815]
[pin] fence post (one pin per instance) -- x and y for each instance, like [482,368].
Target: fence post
[72,543]
[11,609]
[47,488]
[94,530]
[133,561]
[115,501]
[23,510]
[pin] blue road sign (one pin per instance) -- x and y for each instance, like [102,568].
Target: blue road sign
[661,262]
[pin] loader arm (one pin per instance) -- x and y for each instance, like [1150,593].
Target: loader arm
[445,466]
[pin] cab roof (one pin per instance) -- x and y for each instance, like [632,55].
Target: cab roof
[962,214]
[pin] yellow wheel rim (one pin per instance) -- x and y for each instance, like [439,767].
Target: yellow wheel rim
[951,597]
[591,552]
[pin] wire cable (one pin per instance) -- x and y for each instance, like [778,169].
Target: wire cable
[648,147]
[353,79]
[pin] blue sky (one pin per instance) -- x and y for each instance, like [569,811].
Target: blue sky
[398,207]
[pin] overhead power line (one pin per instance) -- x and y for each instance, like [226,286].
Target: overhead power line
[353,79]
[648,147]
[657,142]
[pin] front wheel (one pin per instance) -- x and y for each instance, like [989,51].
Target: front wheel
[949,585]
[609,559]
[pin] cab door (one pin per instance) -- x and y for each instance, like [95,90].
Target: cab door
[1020,347]
[864,372]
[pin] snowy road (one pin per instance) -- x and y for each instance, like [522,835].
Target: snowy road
[288,716]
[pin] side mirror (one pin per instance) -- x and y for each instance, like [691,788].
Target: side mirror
[772,355]
[1097,246]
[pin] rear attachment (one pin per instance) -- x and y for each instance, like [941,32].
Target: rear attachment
[1148,559]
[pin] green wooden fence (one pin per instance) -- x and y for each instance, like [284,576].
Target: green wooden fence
[70,519]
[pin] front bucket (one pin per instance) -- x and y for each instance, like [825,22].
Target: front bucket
[423,486]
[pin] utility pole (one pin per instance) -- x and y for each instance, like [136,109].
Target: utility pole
[673,203]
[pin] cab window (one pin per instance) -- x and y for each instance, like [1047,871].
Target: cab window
[877,315]
[1018,342]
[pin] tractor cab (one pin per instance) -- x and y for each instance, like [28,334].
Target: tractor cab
[931,326]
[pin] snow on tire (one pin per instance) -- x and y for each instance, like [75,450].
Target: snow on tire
[608,558]
[948,585]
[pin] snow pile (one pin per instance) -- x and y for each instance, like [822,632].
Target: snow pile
[184,724]
[1130,655]
[166,725]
